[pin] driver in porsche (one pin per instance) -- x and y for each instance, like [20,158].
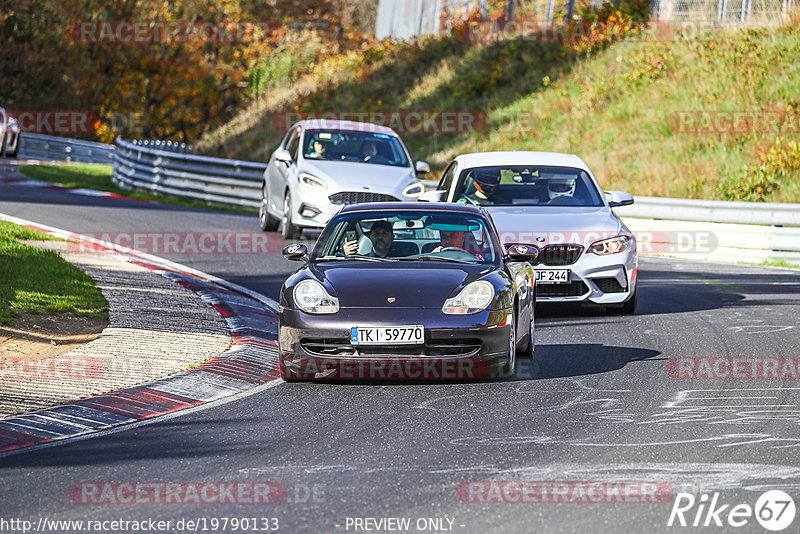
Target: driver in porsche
[458,239]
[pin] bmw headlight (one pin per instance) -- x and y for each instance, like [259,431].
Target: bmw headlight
[311,297]
[472,299]
[613,245]
[311,180]
[413,190]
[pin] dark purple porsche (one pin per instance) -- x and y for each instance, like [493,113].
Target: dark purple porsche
[407,291]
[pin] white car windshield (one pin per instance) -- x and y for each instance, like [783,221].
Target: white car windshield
[527,185]
[348,145]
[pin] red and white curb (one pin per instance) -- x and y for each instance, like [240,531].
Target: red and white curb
[251,362]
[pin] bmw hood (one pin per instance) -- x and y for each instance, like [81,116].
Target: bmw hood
[542,225]
[354,176]
[371,286]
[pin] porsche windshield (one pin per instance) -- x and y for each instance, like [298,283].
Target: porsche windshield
[527,185]
[408,236]
[348,145]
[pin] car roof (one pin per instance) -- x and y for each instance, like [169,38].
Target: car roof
[329,124]
[439,207]
[491,159]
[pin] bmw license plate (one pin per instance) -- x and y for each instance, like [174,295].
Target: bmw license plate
[552,276]
[387,335]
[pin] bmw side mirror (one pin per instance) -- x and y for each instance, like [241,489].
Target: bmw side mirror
[431,196]
[520,252]
[423,168]
[297,252]
[282,156]
[619,198]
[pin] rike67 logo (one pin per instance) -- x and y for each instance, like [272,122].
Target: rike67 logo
[774,510]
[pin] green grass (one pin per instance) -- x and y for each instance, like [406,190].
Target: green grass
[97,176]
[614,105]
[39,281]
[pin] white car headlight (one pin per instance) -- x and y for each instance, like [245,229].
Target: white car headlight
[613,245]
[413,190]
[311,180]
[472,299]
[311,297]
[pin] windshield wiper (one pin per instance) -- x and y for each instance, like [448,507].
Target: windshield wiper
[426,257]
[352,257]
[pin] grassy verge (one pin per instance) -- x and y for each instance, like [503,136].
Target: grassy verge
[647,116]
[97,176]
[39,281]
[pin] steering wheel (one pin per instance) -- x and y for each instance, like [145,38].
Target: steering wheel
[455,249]
[465,197]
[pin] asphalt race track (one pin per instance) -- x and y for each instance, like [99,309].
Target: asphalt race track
[598,404]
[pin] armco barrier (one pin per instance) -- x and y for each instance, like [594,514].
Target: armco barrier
[720,211]
[747,231]
[50,148]
[220,181]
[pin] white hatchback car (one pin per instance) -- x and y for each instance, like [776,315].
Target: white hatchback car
[554,201]
[323,165]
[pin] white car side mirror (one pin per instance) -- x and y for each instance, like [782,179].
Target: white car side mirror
[423,168]
[619,198]
[432,196]
[283,156]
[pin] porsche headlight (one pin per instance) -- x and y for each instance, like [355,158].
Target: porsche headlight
[472,299]
[613,245]
[311,297]
[413,190]
[311,180]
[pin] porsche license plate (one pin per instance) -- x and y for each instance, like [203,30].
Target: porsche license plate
[387,335]
[552,276]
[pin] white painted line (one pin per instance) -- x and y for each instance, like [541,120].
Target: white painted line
[156,260]
[137,424]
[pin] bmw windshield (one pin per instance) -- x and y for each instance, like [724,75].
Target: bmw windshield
[408,236]
[527,185]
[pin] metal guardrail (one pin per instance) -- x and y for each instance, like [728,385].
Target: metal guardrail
[719,211]
[51,148]
[220,181]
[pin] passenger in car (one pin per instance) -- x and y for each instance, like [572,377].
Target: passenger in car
[381,235]
[319,150]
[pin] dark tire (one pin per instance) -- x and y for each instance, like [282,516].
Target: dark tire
[530,345]
[509,369]
[628,308]
[15,153]
[290,231]
[267,222]
[3,146]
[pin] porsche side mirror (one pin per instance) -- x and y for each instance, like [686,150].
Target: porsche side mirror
[521,252]
[432,196]
[422,168]
[619,198]
[283,156]
[297,252]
